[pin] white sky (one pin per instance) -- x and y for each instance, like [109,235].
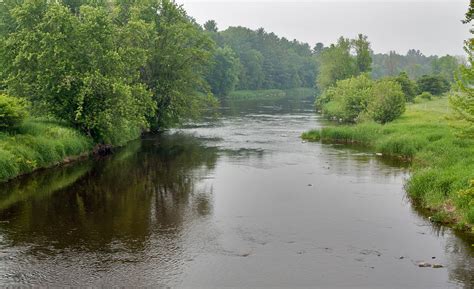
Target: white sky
[432,26]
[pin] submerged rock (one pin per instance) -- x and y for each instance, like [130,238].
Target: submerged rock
[424,264]
[437,266]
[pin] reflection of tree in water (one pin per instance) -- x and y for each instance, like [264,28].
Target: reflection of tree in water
[462,259]
[149,186]
[459,251]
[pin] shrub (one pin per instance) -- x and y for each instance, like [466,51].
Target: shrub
[426,95]
[435,85]
[12,111]
[360,99]
[347,99]
[409,87]
[387,102]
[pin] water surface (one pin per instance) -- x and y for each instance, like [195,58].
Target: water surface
[239,201]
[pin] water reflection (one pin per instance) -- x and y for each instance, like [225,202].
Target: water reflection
[147,185]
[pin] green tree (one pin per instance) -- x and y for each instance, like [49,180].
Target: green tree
[178,57]
[210,26]
[269,61]
[433,84]
[252,75]
[13,111]
[408,86]
[347,100]
[387,101]
[445,67]
[318,48]
[77,68]
[224,73]
[335,63]
[463,100]
[363,54]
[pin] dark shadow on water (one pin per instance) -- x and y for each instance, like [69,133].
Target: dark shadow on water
[148,185]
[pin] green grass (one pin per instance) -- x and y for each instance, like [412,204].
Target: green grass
[39,144]
[441,155]
[270,94]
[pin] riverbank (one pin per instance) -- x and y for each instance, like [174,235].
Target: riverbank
[40,144]
[441,156]
[271,94]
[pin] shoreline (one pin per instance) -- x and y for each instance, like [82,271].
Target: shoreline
[440,159]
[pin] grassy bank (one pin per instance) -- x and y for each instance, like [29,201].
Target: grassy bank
[39,144]
[442,156]
[271,94]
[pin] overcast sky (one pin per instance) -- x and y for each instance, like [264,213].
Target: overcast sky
[432,26]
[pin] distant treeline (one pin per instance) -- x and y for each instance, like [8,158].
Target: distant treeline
[415,64]
[260,60]
[248,59]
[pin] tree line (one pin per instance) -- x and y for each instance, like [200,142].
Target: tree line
[249,60]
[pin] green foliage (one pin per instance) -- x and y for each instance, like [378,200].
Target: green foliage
[347,100]
[408,86]
[387,101]
[252,74]
[81,69]
[414,63]
[360,98]
[363,54]
[210,26]
[442,157]
[463,99]
[39,144]
[426,95]
[13,111]
[178,56]
[445,67]
[335,63]
[268,61]
[433,84]
[108,68]
[224,73]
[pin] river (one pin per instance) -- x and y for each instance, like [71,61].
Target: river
[235,201]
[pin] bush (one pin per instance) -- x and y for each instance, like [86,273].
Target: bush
[347,99]
[435,85]
[12,111]
[387,102]
[360,99]
[426,95]
[409,87]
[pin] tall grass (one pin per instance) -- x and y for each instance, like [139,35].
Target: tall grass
[441,155]
[38,144]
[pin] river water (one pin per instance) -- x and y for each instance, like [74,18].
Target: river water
[237,201]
